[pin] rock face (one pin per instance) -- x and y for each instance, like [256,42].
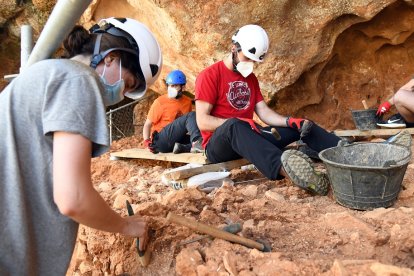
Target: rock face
[324,58]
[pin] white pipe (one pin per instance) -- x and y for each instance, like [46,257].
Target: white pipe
[26,44]
[63,18]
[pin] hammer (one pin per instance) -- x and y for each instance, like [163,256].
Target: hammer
[144,256]
[216,232]
[273,132]
[233,228]
[364,103]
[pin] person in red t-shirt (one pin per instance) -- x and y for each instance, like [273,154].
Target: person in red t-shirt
[228,94]
[170,120]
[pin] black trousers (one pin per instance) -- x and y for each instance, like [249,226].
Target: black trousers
[235,139]
[183,130]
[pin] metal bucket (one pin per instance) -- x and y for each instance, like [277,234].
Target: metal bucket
[365,119]
[365,176]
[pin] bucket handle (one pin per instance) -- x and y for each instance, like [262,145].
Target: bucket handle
[383,190]
[352,185]
[385,186]
[393,163]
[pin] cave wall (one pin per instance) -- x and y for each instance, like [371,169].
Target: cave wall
[369,61]
[325,55]
[14,14]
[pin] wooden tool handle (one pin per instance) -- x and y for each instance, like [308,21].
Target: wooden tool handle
[212,231]
[275,133]
[364,103]
[186,173]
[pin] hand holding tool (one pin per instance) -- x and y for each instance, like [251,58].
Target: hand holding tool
[144,255]
[296,123]
[383,108]
[254,127]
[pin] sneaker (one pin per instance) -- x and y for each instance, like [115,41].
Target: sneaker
[209,186]
[298,166]
[180,148]
[403,138]
[395,121]
[196,147]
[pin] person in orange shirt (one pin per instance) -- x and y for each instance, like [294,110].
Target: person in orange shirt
[171,124]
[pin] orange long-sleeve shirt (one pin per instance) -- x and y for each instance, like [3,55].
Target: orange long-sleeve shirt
[165,110]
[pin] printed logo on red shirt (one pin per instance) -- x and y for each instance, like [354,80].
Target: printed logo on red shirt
[239,95]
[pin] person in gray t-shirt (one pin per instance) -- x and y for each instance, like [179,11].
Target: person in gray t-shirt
[52,121]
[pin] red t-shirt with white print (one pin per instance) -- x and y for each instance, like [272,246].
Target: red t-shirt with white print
[231,94]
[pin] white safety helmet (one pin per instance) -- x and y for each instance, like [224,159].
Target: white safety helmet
[149,51]
[253,42]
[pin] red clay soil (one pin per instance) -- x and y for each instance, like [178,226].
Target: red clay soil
[309,235]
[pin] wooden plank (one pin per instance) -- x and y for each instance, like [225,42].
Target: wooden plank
[196,158]
[189,172]
[373,132]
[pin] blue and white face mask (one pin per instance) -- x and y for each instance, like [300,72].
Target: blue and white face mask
[113,93]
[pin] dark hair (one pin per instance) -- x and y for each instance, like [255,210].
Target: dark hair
[80,42]
[77,42]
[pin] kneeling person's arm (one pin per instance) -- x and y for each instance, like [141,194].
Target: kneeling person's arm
[205,121]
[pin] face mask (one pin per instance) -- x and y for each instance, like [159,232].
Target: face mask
[245,68]
[172,92]
[113,93]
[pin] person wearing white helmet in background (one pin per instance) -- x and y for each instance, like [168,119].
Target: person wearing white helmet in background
[171,124]
[52,121]
[227,96]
